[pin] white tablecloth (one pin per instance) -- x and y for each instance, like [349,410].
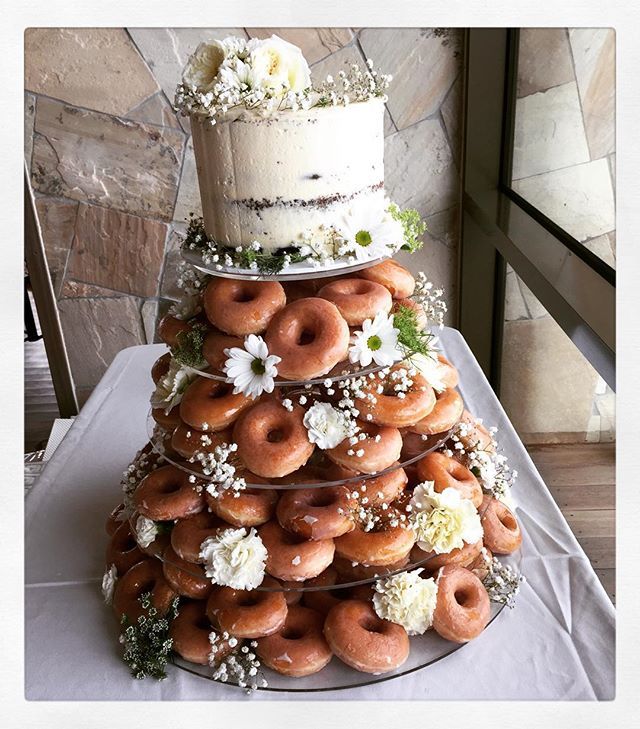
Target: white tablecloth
[557,643]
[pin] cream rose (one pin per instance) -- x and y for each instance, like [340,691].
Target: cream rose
[408,600]
[203,65]
[277,65]
[444,521]
[234,558]
[169,389]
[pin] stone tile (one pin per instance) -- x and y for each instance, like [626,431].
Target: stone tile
[117,251]
[57,222]
[514,306]
[189,191]
[149,313]
[547,384]
[155,110]
[172,258]
[451,111]
[544,60]
[29,119]
[315,43]
[338,61]
[166,50]
[423,65]
[95,330]
[389,126]
[96,68]
[440,265]
[579,199]
[601,246]
[612,170]
[444,227]
[594,52]
[93,157]
[79,290]
[534,307]
[419,169]
[549,132]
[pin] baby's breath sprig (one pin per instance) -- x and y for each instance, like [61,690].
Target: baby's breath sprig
[142,464]
[241,666]
[189,348]
[413,225]
[430,299]
[355,85]
[502,581]
[410,337]
[147,645]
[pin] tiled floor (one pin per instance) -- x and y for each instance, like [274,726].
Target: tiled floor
[581,478]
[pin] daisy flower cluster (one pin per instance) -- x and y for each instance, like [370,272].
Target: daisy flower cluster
[376,342]
[251,369]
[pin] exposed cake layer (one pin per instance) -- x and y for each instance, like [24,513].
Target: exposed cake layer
[278,178]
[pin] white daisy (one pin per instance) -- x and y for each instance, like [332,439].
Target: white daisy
[376,342]
[369,233]
[251,369]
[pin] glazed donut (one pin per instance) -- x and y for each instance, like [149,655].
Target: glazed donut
[214,345]
[185,578]
[394,277]
[291,557]
[446,472]
[323,600]
[160,367]
[352,572]
[248,613]
[145,576]
[357,299]
[299,647]
[364,641]
[190,631]
[416,308]
[502,533]
[447,372]
[316,513]
[461,556]
[251,507]
[462,607]
[295,290]
[166,494]
[291,591]
[188,441]
[376,548]
[170,328]
[211,405]
[382,489]
[242,307]
[114,520]
[474,435]
[188,534]
[445,414]
[272,441]
[310,336]
[123,550]
[388,408]
[377,450]
[479,566]
[168,421]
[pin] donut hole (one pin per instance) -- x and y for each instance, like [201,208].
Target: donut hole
[321,499]
[146,586]
[169,487]
[462,597]
[306,336]
[275,435]
[242,296]
[129,543]
[371,624]
[202,623]
[248,600]
[508,522]
[292,633]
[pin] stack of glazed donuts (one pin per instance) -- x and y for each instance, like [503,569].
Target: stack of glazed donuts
[303,613]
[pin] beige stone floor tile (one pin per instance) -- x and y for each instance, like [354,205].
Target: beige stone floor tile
[29,120]
[72,289]
[549,132]
[172,259]
[534,307]
[601,246]
[336,62]
[149,314]
[547,384]
[444,227]
[57,219]
[315,43]
[451,110]
[579,198]
[95,68]
[544,60]
[155,110]
[188,191]
[424,67]
[93,157]
[389,126]
[514,306]
[167,50]
[594,58]
[419,168]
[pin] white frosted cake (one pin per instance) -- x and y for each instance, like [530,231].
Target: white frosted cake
[285,178]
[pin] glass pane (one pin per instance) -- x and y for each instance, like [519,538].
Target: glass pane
[564,141]
[548,388]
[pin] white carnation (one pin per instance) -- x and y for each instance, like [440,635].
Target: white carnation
[444,521]
[109,580]
[202,67]
[170,388]
[234,558]
[406,599]
[430,367]
[326,426]
[278,66]
[146,531]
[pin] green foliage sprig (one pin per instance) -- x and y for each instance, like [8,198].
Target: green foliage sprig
[414,227]
[188,351]
[147,645]
[410,336]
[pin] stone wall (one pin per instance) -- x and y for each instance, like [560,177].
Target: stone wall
[564,164]
[114,173]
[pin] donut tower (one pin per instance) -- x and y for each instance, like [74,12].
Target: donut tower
[313,491]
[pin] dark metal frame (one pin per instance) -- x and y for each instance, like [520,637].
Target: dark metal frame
[499,226]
